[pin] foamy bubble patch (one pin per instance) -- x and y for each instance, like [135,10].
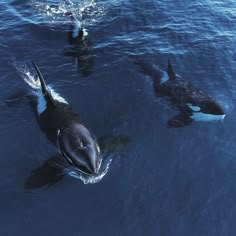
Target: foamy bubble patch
[87,179]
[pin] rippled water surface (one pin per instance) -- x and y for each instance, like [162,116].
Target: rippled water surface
[167,181]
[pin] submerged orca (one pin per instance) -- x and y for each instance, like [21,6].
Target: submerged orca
[76,33]
[75,142]
[192,103]
[79,47]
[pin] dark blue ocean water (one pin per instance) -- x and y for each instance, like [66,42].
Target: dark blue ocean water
[167,182]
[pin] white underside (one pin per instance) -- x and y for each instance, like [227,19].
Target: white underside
[199,116]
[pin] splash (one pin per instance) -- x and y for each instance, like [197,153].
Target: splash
[24,71]
[87,12]
[88,179]
[33,81]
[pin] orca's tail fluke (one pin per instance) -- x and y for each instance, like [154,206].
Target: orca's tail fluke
[41,79]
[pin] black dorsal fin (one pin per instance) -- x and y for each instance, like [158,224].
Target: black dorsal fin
[170,71]
[44,87]
[42,82]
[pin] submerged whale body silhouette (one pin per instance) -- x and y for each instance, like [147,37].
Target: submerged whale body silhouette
[79,47]
[62,126]
[192,103]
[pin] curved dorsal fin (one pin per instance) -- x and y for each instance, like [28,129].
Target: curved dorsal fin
[170,71]
[41,79]
[45,90]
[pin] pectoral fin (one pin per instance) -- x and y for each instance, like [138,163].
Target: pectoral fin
[49,173]
[180,120]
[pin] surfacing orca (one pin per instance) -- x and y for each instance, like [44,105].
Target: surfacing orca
[79,47]
[80,155]
[74,141]
[192,103]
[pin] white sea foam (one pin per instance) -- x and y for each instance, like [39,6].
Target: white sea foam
[87,12]
[33,81]
[87,179]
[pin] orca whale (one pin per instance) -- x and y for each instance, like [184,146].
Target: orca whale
[80,154]
[79,47]
[76,33]
[192,103]
[75,143]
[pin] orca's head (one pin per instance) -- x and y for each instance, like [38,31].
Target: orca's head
[202,111]
[208,110]
[80,149]
[212,107]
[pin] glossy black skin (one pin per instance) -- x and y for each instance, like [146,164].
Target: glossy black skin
[49,173]
[79,147]
[180,93]
[62,126]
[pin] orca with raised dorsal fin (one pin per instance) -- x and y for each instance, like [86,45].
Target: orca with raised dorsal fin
[79,152]
[63,127]
[192,103]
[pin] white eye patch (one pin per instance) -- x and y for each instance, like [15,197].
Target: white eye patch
[194,108]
